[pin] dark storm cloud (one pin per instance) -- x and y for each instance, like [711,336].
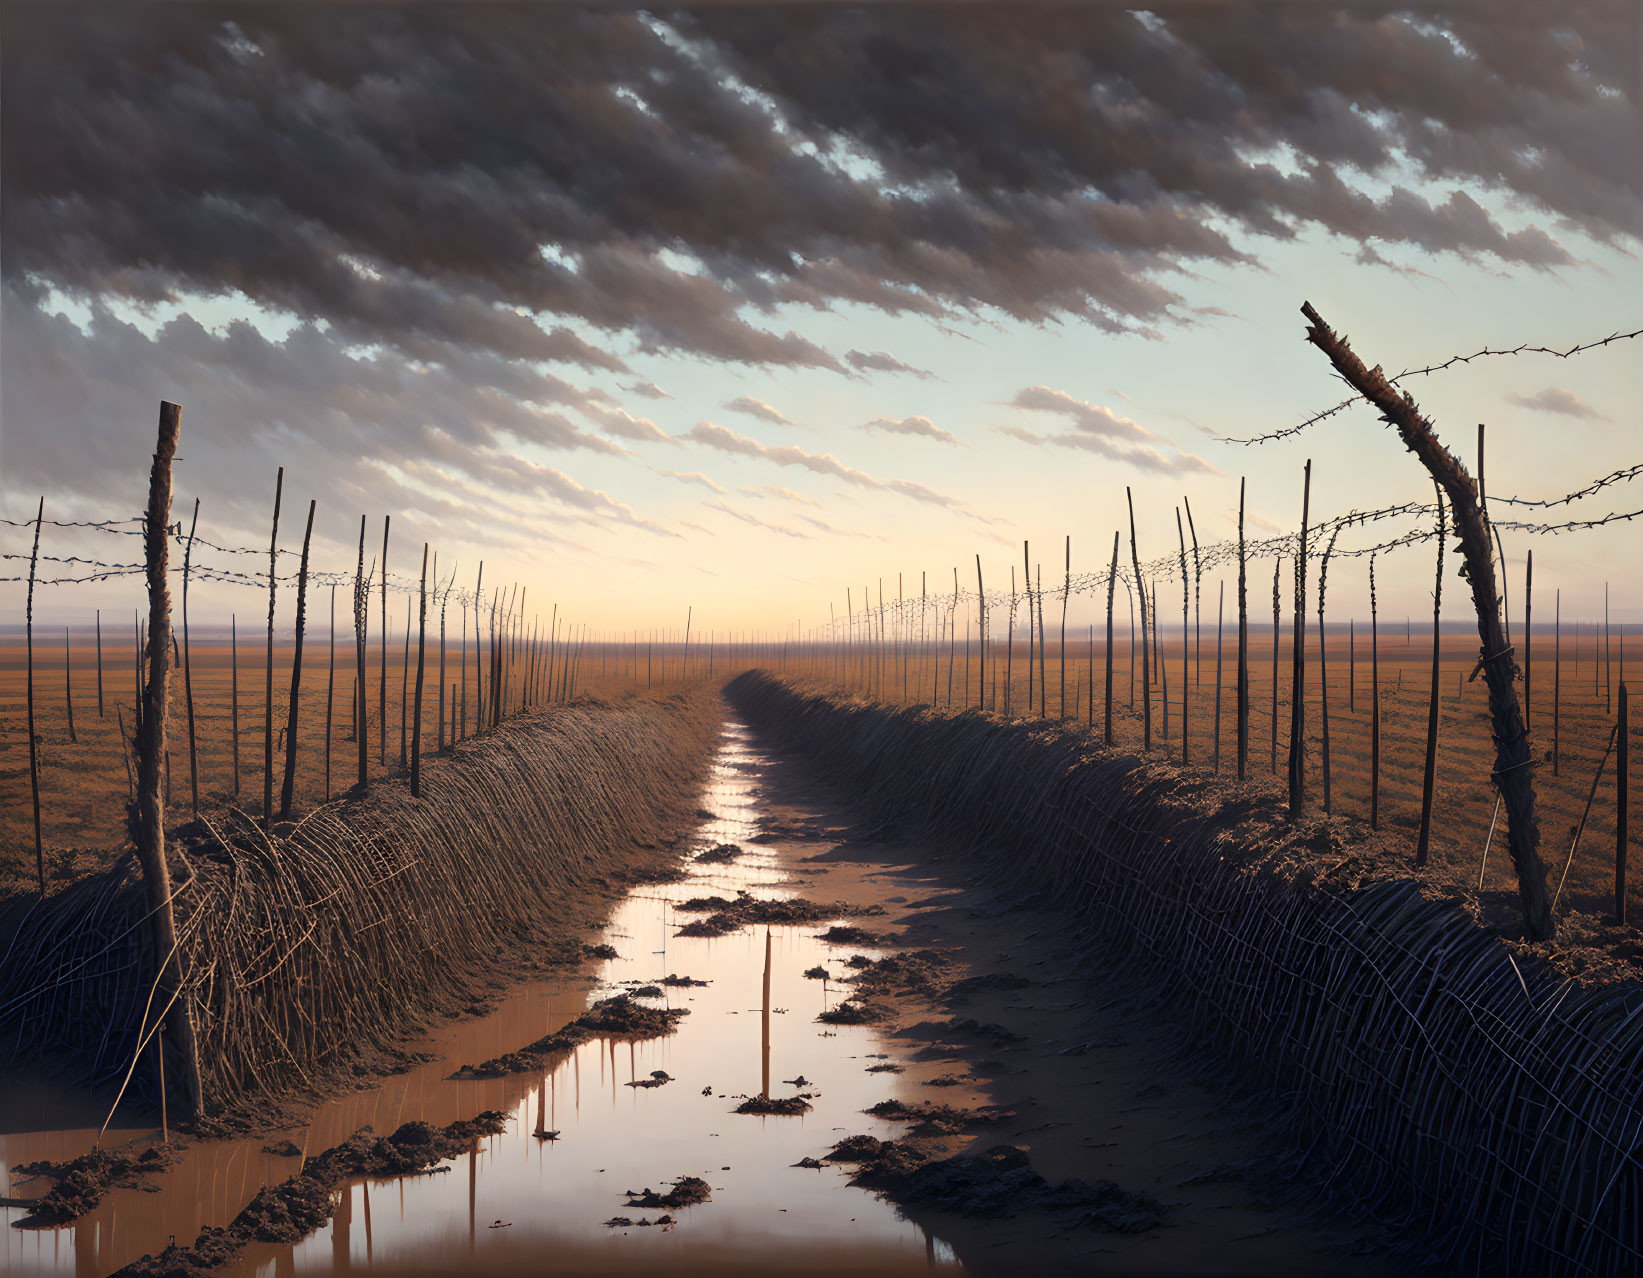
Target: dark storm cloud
[473,194]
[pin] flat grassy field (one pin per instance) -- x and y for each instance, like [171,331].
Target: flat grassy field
[83,784]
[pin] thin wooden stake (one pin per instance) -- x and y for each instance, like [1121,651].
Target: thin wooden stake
[34,748]
[330,690]
[268,670]
[1146,696]
[1621,777]
[421,640]
[288,784]
[68,684]
[1297,695]
[1432,702]
[1374,705]
[1220,612]
[99,663]
[188,669]
[1243,644]
[362,612]
[1112,587]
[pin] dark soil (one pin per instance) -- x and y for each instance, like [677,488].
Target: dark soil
[846,934]
[687,1191]
[961,992]
[680,982]
[618,1017]
[786,1105]
[289,1212]
[855,1013]
[285,1149]
[817,973]
[81,1183]
[929,1118]
[922,972]
[658,1077]
[649,991]
[600,952]
[719,854]
[726,915]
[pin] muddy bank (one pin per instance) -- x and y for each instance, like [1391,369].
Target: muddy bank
[312,951]
[1431,1070]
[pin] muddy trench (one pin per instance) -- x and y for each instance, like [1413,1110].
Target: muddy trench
[933,993]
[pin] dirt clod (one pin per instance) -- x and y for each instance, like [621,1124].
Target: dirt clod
[779,1105]
[617,1017]
[687,1191]
[81,1183]
[719,854]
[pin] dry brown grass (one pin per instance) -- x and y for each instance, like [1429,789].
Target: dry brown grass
[83,786]
[1464,797]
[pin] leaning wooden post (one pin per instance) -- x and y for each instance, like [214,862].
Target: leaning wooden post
[149,832]
[1297,692]
[1513,770]
[34,749]
[362,610]
[1112,587]
[1374,705]
[421,643]
[1243,643]
[1146,684]
[1432,702]
[188,669]
[1622,752]
[288,785]
[1185,667]
[268,672]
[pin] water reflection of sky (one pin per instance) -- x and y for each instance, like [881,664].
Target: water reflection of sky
[516,1203]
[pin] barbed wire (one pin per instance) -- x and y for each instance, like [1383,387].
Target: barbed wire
[1524,349]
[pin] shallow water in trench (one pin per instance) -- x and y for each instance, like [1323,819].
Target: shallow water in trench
[516,1204]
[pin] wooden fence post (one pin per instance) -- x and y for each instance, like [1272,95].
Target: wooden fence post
[382,679]
[1276,643]
[1374,705]
[1185,654]
[1243,643]
[288,785]
[1112,587]
[188,668]
[151,743]
[362,609]
[1220,616]
[981,658]
[1622,754]
[34,749]
[330,690]
[421,640]
[268,680]
[1432,702]
[1323,663]
[1146,695]
[100,663]
[1513,771]
[68,683]
[1297,694]
[1557,675]
[1197,601]
[234,693]
[1066,598]
[1528,636]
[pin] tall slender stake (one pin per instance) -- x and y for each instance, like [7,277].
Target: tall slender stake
[288,783]
[1242,678]
[1297,693]
[1197,606]
[1432,702]
[382,673]
[1323,662]
[330,690]
[1557,675]
[100,663]
[1112,587]
[68,683]
[188,670]
[268,665]
[981,659]
[34,748]
[1528,637]
[421,641]
[1276,641]
[1622,771]
[1066,597]
[362,614]
[1374,705]
[1185,675]
[234,692]
[1146,696]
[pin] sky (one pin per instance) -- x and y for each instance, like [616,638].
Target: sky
[732,310]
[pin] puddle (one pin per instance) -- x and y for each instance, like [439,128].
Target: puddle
[516,1203]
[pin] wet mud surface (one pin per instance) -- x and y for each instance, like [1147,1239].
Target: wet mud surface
[972,1100]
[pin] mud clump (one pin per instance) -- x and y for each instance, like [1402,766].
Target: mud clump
[289,1212]
[617,1017]
[852,1012]
[719,854]
[680,982]
[775,1105]
[995,1034]
[885,1067]
[921,972]
[687,1191]
[725,915]
[80,1184]
[929,1118]
[658,1078]
[648,991]
[600,952]
[848,934]
[284,1149]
